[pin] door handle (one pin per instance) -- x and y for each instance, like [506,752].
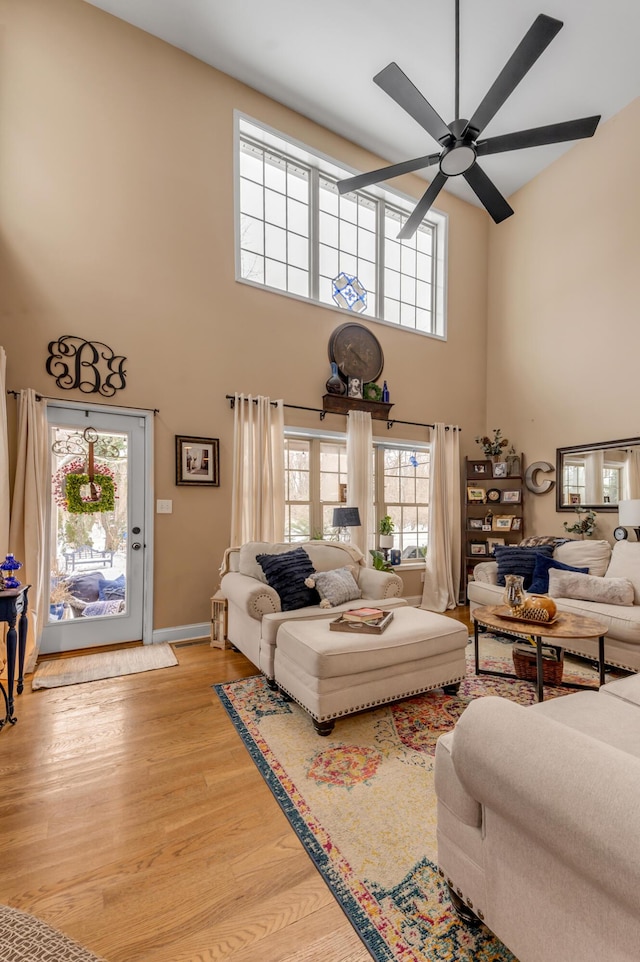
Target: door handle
[136,546]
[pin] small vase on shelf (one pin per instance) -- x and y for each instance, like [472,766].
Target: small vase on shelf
[385,393]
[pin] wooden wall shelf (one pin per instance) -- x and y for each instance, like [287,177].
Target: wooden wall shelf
[338,404]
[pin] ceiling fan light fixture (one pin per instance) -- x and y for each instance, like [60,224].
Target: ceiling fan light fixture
[457,160]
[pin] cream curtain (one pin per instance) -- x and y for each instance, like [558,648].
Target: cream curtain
[257,506]
[631,474]
[5,499]
[442,569]
[360,476]
[28,530]
[593,480]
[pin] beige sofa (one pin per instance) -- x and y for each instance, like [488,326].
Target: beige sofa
[539,822]
[254,609]
[622,641]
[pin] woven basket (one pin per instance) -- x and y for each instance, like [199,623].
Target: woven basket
[524,664]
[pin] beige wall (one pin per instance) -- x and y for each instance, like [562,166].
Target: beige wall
[117,225]
[563,334]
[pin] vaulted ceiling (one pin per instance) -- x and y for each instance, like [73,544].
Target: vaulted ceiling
[320,58]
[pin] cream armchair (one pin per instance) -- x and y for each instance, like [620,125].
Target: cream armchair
[254,609]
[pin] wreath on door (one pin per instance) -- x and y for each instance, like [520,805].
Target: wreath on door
[78,493]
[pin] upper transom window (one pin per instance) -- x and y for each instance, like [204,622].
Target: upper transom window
[297,235]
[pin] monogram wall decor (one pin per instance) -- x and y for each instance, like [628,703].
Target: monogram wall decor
[90,366]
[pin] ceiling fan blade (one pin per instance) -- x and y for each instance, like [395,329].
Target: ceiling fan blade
[385,173]
[488,193]
[537,136]
[423,205]
[396,83]
[533,44]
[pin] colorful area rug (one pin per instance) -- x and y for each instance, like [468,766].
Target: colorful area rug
[104,664]
[363,804]
[25,938]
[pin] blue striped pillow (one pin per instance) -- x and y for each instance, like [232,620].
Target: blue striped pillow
[519,561]
[286,573]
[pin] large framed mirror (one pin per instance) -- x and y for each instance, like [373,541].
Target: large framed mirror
[598,475]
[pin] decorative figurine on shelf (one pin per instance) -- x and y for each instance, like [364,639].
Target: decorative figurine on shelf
[10,565]
[385,393]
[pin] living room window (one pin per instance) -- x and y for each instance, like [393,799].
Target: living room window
[297,235]
[316,483]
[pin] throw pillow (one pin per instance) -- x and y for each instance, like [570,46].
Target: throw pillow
[513,560]
[594,555]
[542,539]
[96,608]
[625,563]
[85,586]
[335,587]
[108,590]
[540,581]
[606,591]
[248,557]
[286,574]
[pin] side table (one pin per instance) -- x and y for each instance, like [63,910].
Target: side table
[564,627]
[14,603]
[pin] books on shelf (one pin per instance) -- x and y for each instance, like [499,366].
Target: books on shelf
[363,615]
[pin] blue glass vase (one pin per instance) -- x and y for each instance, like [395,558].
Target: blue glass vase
[335,384]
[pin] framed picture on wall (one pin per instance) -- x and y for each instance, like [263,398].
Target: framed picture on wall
[197,461]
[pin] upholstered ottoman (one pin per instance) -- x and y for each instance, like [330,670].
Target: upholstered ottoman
[335,673]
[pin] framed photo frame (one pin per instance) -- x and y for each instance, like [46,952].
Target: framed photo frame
[493,542]
[511,497]
[500,469]
[354,387]
[516,524]
[478,548]
[503,522]
[475,524]
[198,461]
[479,469]
[574,498]
[475,495]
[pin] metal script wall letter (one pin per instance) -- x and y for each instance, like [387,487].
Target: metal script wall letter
[90,366]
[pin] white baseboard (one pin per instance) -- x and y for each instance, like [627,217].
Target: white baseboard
[181,633]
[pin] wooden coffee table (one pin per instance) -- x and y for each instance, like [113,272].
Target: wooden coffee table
[564,627]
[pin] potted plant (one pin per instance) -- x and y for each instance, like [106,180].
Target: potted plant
[583,526]
[385,532]
[380,563]
[493,447]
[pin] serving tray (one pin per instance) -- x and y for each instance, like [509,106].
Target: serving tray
[363,627]
[505,612]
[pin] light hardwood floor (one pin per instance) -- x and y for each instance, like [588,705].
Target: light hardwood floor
[132,818]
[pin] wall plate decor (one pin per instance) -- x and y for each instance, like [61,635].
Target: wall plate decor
[197,461]
[90,366]
[356,351]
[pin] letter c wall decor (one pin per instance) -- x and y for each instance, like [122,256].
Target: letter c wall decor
[531,479]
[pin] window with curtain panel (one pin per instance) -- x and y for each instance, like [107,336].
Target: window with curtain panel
[316,482]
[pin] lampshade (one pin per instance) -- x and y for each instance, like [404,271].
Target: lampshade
[346,518]
[629,513]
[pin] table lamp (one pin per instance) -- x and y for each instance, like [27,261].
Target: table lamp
[8,566]
[344,518]
[629,515]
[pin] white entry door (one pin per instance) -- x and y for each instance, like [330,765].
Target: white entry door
[100,555]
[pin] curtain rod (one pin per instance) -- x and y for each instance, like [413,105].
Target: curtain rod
[301,407]
[125,407]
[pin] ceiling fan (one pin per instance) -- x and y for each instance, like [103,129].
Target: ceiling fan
[460,146]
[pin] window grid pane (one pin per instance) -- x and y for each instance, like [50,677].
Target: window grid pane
[274,193]
[408,273]
[347,240]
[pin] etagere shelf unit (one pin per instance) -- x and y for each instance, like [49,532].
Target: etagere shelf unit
[493,509]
